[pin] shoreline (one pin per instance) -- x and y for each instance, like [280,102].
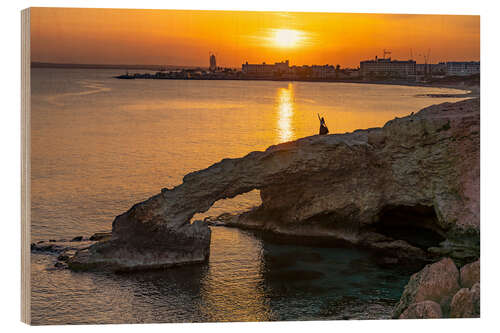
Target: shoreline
[469,91]
[368,156]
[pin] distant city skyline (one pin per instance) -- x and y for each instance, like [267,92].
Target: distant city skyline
[185,38]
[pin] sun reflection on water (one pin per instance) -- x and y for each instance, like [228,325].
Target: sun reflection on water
[285,104]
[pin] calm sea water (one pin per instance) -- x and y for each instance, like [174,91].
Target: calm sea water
[100,144]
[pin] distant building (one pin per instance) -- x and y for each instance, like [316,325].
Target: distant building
[386,67]
[300,72]
[349,73]
[438,69]
[213,63]
[462,68]
[265,70]
[323,72]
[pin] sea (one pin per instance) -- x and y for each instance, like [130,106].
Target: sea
[100,145]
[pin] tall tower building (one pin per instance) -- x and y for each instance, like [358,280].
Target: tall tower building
[213,63]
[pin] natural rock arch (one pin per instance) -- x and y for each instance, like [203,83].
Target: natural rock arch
[333,185]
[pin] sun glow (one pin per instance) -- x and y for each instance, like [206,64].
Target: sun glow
[287,37]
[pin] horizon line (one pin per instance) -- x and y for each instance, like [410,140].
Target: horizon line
[145,66]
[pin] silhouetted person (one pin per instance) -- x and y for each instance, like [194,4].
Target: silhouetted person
[322,126]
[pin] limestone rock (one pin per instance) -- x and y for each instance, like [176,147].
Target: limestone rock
[469,274]
[436,282]
[476,297]
[146,246]
[422,310]
[466,303]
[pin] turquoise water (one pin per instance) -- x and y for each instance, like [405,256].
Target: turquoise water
[246,279]
[99,145]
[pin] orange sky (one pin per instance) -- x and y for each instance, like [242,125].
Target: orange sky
[111,36]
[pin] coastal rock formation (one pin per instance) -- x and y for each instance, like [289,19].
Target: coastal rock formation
[469,274]
[437,282]
[441,284]
[466,303]
[145,243]
[421,310]
[417,173]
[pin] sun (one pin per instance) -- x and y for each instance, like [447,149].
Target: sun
[287,37]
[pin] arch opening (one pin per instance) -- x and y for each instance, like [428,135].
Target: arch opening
[238,204]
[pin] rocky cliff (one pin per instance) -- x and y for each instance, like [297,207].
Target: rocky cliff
[419,173]
[392,189]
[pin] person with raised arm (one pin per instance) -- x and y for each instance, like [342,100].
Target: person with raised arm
[322,126]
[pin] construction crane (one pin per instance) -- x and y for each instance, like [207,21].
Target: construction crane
[427,56]
[427,60]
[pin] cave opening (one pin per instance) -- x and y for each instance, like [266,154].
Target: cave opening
[417,225]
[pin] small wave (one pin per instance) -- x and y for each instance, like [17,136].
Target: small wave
[90,87]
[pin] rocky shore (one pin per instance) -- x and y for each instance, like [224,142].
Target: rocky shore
[65,249]
[408,190]
[145,243]
[441,290]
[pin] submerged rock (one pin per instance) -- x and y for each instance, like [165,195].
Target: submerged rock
[340,186]
[63,257]
[60,264]
[99,236]
[62,248]
[51,248]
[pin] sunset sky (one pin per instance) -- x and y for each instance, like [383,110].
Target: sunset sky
[162,37]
